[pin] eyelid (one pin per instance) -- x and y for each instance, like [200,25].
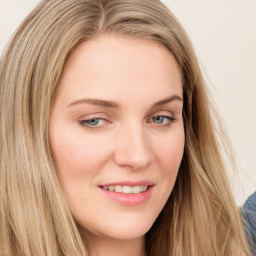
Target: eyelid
[165,114]
[93,115]
[170,118]
[84,119]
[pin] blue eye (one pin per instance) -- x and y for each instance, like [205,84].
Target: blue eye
[158,119]
[162,120]
[93,123]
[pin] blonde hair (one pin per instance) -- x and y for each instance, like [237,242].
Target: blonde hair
[200,217]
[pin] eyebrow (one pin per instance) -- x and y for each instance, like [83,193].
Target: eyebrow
[167,100]
[112,104]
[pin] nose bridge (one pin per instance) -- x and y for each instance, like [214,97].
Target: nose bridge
[133,146]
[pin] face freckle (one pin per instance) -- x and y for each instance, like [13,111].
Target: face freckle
[116,132]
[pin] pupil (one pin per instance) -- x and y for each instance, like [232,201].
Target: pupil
[159,119]
[93,121]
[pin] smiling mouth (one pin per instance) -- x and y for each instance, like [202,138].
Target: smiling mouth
[128,193]
[126,189]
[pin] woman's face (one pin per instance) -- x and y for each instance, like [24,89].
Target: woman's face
[116,131]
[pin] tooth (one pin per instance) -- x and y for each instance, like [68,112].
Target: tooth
[136,189]
[127,189]
[118,189]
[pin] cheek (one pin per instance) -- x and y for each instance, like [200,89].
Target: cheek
[168,156]
[78,161]
[170,152]
[78,157]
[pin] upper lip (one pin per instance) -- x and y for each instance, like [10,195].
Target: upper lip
[129,183]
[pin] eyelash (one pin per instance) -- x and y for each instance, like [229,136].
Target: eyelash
[170,120]
[84,123]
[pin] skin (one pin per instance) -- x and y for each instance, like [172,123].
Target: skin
[133,140]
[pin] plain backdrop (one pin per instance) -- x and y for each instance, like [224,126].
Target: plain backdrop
[223,33]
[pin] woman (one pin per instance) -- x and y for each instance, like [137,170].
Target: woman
[108,146]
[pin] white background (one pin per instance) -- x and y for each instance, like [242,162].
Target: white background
[223,33]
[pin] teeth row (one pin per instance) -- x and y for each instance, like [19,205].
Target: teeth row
[126,189]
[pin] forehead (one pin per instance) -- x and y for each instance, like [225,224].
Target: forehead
[114,64]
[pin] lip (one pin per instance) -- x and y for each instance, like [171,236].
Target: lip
[128,199]
[129,183]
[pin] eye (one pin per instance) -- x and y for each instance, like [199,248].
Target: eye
[161,120]
[93,123]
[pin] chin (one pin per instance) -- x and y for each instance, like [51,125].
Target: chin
[130,234]
[122,230]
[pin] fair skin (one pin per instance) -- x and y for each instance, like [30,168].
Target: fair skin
[117,135]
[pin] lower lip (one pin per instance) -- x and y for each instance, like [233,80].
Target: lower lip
[129,199]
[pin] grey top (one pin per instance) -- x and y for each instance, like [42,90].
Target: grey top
[249,217]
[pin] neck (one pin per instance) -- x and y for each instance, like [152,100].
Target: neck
[99,246]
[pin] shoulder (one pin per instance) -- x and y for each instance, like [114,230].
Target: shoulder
[248,212]
[251,202]
[249,209]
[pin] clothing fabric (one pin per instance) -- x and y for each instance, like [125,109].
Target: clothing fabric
[249,217]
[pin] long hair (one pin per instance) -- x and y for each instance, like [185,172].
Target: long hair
[200,217]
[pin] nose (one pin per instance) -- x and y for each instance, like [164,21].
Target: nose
[133,148]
